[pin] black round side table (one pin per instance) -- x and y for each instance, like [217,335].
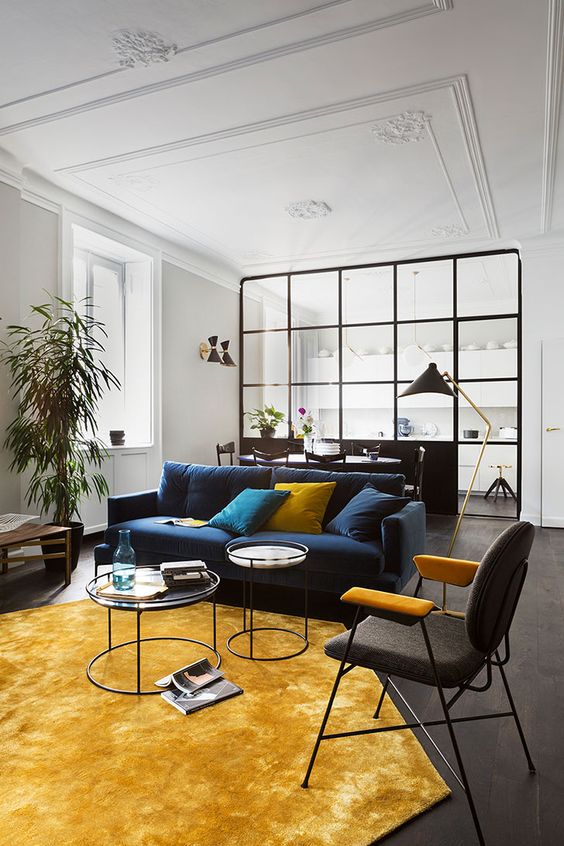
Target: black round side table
[266,555]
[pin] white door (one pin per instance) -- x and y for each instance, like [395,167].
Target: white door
[552,434]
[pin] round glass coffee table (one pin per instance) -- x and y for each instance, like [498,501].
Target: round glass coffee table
[177,598]
[266,555]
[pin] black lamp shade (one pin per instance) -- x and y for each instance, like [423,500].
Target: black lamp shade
[214,356]
[227,360]
[430,382]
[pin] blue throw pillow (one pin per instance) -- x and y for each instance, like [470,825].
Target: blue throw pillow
[361,518]
[248,511]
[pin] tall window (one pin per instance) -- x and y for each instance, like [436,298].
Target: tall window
[115,282]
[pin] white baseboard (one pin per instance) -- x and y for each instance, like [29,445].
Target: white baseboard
[531,518]
[552,522]
[90,530]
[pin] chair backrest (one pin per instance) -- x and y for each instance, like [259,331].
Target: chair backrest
[270,456]
[325,459]
[225,449]
[418,473]
[497,586]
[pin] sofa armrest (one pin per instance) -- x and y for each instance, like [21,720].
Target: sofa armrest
[131,507]
[403,536]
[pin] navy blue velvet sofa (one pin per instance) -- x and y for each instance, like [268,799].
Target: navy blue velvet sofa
[335,563]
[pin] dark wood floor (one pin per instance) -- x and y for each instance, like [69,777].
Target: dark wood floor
[516,809]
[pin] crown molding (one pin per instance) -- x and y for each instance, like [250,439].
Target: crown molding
[552,107]
[191,267]
[429,8]
[37,199]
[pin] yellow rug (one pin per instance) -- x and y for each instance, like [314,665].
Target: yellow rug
[83,766]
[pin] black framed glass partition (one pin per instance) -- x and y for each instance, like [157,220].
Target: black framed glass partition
[333,340]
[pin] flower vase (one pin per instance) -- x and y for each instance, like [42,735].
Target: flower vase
[308,443]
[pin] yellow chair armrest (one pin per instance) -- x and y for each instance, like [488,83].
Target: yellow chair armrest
[453,571]
[390,603]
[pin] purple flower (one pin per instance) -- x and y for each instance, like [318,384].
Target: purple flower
[301,411]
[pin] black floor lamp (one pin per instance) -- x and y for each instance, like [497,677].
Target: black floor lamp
[432,381]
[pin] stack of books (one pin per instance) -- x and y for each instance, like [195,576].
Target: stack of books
[182,574]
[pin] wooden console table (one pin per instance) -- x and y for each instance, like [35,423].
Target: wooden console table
[36,534]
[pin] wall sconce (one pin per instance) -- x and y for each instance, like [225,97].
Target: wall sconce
[209,352]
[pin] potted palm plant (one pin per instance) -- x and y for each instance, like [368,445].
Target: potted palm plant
[265,420]
[58,379]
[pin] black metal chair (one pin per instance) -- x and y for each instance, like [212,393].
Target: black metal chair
[325,459]
[225,449]
[415,491]
[435,649]
[267,457]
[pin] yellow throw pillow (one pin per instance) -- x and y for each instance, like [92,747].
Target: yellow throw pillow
[303,510]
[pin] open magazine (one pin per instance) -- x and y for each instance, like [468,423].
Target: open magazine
[196,686]
[187,522]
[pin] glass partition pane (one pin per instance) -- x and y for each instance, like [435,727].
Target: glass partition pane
[265,358]
[368,411]
[434,338]
[368,295]
[425,416]
[368,354]
[257,398]
[322,401]
[494,455]
[265,303]
[498,401]
[315,299]
[488,285]
[425,290]
[488,349]
[315,355]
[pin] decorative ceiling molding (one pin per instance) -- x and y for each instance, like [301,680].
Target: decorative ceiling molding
[136,181]
[552,107]
[428,8]
[458,88]
[196,269]
[406,128]
[308,209]
[135,47]
[451,230]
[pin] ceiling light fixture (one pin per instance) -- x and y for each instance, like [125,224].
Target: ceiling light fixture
[308,209]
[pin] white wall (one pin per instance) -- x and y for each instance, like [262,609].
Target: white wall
[543,319]
[200,400]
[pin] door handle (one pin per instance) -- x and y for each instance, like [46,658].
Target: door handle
[553,428]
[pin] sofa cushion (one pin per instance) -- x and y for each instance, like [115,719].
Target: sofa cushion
[248,511]
[304,510]
[332,553]
[347,484]
[361,518]
[198,490]
[174,541]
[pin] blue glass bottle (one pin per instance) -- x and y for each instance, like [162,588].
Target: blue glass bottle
[123,566]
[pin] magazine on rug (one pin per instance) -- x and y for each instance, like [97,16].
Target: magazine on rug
[196,686]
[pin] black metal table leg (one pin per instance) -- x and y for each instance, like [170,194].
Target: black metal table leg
[139,651]
[251,607]
[214,623]
[109,629]
[305,600]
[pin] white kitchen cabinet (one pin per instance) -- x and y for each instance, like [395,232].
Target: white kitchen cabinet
[494,454]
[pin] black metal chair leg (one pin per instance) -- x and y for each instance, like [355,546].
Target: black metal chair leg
[381,699]
[418,587]
[532,767]
[490,489]
[453,739]
[340,674]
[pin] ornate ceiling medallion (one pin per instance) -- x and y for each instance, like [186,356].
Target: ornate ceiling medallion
[402,129]
[139,47]
[451,230]
[135,181]
[308,209]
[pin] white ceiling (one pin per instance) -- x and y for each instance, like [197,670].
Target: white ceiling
[262,103]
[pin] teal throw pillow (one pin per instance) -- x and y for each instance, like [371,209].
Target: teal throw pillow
[248,511]
[361,518]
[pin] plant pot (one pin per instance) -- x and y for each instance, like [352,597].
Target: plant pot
[267,433]
[57,565]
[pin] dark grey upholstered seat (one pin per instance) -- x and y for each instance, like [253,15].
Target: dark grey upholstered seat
[384,646]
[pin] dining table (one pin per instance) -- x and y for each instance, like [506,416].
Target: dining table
[352,463]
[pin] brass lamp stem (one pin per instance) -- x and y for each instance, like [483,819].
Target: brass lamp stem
[480,455]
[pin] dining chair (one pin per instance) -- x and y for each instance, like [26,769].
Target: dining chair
[415,491]
[266,457]
[340,457]
[401,636]
[225,449]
